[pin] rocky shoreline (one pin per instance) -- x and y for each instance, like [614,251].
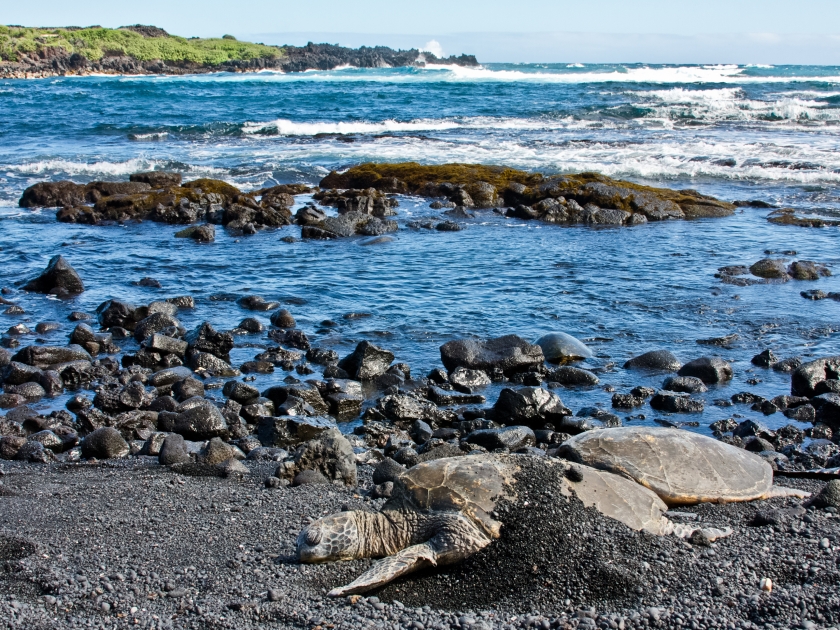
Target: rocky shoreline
[55,62]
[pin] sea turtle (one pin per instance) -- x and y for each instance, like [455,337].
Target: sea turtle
[681,467]
[445,510]
[560,347]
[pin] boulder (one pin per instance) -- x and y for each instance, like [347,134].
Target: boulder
[10,445]
[510,438]
[47,356]
[655,360]
[529,406]
[173,450]
[205,338]
[59,277]
[201,422]
[808,376]
[283,319]
[769,268]
[466,380]
[675,402]
[686,384]
[510,354]
[710,370]
[201,233]
[285,431]
[154,323]
[366,362]
[114,313]
[330,454]
[104,443]
[571,376]
[387,470]
[217,452]
[828,409]
[807,270]
[53,195]
[829,496]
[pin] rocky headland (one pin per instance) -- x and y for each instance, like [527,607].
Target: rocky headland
[138,50]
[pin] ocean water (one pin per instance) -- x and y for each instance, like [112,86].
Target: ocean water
[736,132]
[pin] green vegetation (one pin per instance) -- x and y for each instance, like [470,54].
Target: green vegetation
[95,43]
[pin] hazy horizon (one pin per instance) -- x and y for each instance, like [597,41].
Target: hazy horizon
[600,31]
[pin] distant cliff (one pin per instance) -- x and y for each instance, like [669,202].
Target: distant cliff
[44,52]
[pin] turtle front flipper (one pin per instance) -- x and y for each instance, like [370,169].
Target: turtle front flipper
[456,538]
[682,530]
[383,571]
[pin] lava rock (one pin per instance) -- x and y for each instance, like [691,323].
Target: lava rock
[283,319]
[366,362]
[510,354]
[104,443]
[769,268]
[710,370]
[330,454]
[675,402]
[511,438]
[808,376]
[58,277]
[202,422]
[529,406]
[569,376]
[173,450]
[686,384]
[656,360]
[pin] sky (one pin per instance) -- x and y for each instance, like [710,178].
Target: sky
[590,31]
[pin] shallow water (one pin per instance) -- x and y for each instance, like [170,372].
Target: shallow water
[627,290]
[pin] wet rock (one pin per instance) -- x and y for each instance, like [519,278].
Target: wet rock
[656,360]
[685,384]
[764,359]
[173,450]
[466,380]
[509,354]
[5,358]
[251,325]
[808,376]
[306,392]
[447,398]
[770,268]
[59,277]
[529,406]
[722,342]
[104,443]
[560,347]
[186,389]
[154,323]
[321,356]
[448,226]
[627,401]
[708,369]
[202,422]
[571,376]
[34,453]
[291,338]
[201,233]
[48,356]
[814,294]
[30,391]
[510,438]
[803,413]
[53,195]
[787,365]
[366,362]
[283,319]
[331,455]
[675,402]
[256,367]
[157,179]
[404,409]
[114,313]
[166,345]
[169,376]
[807,270]
[240,392]
[205,338]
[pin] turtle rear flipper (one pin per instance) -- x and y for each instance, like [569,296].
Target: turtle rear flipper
[776,492]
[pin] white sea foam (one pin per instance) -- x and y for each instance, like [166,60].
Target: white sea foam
[70,167]
[722,74]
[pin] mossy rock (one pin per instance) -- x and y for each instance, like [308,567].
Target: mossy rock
[216,186]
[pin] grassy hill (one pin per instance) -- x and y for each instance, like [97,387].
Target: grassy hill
[144,43]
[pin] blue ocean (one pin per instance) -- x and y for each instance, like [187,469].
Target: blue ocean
[734,132]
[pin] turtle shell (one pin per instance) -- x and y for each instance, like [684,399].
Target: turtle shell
[682,467]
[471,485]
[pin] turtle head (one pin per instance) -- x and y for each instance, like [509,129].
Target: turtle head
[331,538]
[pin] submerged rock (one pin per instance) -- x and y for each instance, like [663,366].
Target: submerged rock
[658,360]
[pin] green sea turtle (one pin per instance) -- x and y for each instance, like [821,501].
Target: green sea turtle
[681,467]
[445,510]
